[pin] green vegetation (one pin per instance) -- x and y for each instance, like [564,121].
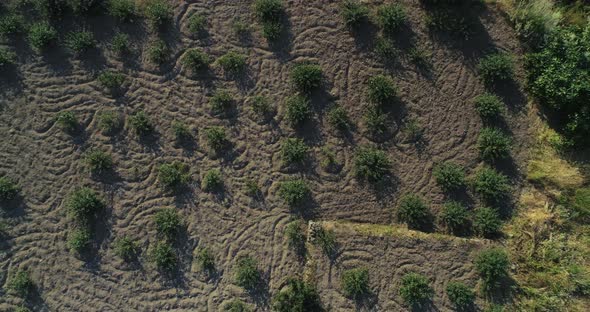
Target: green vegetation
[241,28]
[216,138]
[123,10]
[79,42]
[20,283]
[120,44]
[455,217]
[496,68]
[247,274]
[355,283]
[10,25]
[78,240]
[385,49]
[197,24]
[493,144]
[168,223]
[306,77]
[252,188]
[236,306]
[261,106]
[157,52]
[269,14]
[181,131]
[413,211]
[297,295]
[195,60]
[296,235]
[376,121]
[67,121]
[205,260]
[338,118]
[294,192]
[98,161]
[41,35]
[449,176]
[451,21]
[141,124]
[125,248]
[371,164]
[415,290]
[111,80]
[326,240]
[354,13]
[294,151]
[391,17]
[158,12]
[461,295]
[109,122]
[174,175]
[83,204]
[6,57]
[328,159]
[297,110]
[486,222]
[212,181]
[491,185]
[8,189]
[489,106]
[381,90]
[163,255]
[233,63]
[492,265]
[221,101]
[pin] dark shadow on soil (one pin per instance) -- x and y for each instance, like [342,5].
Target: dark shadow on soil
[282,46]
[511,94]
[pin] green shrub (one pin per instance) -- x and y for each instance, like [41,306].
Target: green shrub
[492,266]
[79,42]
[452,21]
[21,309]
[110,79]
[80,7]
[338,118]
[109,122]
[496,68]
[41,35]
[168,223]
[163,256]
[236,306]
[420,57]
[247,274]
[489,106]
[269,13]
[413,131]
[11,24]
[240,28]
[486,222]
[195,60]
[371,164]
[328,159]
[535,21]
[376,121]
[261,106]
[415,290]
[141,124]
[491,185]
[381,90]
[67,121]
[460,295]
[79,240]
[449,176]
[252,188]
[493,144]
[297,295]
[173,175]
[120,44]
[272,30]
[385,49]
[354,13]
[413,211]
[53,9]
[326,240]
[212,181]
[158,12]
[125,248]
[157,52]
[196,24]
[391,17]
[181,131]
[294,151]
[6,57]
[294,192]
[8,189]
[205,260]
[232,63]
[298,110]
[355,283]
[216,138]
[221,102]
[98,161]
[296,235]
[123,10]
[306,77]
[455,216]
[20,283]
[83,204]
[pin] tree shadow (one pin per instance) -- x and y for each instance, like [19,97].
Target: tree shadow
[281,47]
[511,94]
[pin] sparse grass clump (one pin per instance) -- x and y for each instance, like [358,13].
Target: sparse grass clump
[197,24]
[8,189]
[489,106]
[221,102]
[123,10]
[413,211]
[491,185]
[163,256]
[205,260]
[354,13]
[111,80]
[415,290]
[294,192]
[376,121]
[381,90]
[141,124]
[455,217]
[157,52]
[355,283]
[493,144]
[306,77]
[328,159]
[168,223]
[232,63]
[125,248]
[158,12]
[98,161]
[391,17]
[216,138]
[261,106]
[297,296]
[79,240]
[67,121]
[79,42]
[294,151]
[181,131]
[496,68]
[269,13]
[486,222]
[492,266]
[240,28]
[11,24]
[83,204]
[6,57]
[173,175]
[212,181]
[297,110]
[461,295]
[109,122]
[20,283]
[120,44]
[338,118]
[449,176]
[41,35]
[247,274]
[295,235]
[371,164]
[195,60]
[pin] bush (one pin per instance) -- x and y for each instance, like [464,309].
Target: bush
[83,204]
[11,24]
[261,106]
[355,283]
[391,17]
[20,283]
[123,10]
[196,24]
[67,121]
[6,57]
[78,240]
[216,138]
[306,77]
[168,223]
[294,151]
[492,266]
[241,29]
[221,102]
[296,235]
[41,35]
[212,181]
[205,260]
[8,189]
[489,106]
[381,90]
[195,60]
[452,21]
[125,248]
[110,79]
[371,164]
[328,159]
[109,122]
[79,42]
[496,68]
[493,144]
[385,49]
[413,211]
[157,52]
[297,110]
[247,274]
[173,175]
[120,44]
[83,6]
[297,295]
[141,124]
[232,63]
[325,239]
[50,8]
[268,13]
[164,256]
[294,192]
[181,131]
[338,118]
[158,12]
[98,161]
[535,21]
[272,30]
[236,306]
[460,295]
[486,222]
[455,216]
[491,185]
[252,188]
[354,13]
[414,289]
[376,121]
[449,176]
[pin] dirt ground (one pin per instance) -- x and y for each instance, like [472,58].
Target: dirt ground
[48,165]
